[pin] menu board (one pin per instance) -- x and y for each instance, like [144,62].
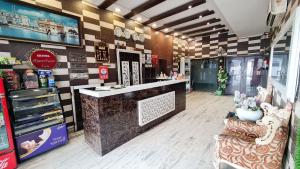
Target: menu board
[78,67]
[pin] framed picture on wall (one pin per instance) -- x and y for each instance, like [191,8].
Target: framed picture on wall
[102,52]
[26,22]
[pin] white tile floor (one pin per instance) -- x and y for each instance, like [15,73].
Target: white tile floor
[183,142]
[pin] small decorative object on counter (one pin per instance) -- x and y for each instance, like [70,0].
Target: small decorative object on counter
[30,80]
[13,80]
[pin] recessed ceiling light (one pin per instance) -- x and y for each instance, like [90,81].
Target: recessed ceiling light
[190,6]
[183,37]
[118,10]
[214,28]
[200,16]
[166,30]
[190,39]
[175,34]
[218,32]
[154,25]
[156,32]
[208,23]
[139,19]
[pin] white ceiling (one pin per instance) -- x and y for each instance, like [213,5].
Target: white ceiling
[245,17]
[242,17]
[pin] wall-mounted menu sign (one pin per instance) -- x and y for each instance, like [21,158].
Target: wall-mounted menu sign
[43,59]
[78,67]
[102,52]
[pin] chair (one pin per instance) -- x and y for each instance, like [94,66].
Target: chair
[257,145]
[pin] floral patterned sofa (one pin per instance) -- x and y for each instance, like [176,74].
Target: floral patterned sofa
[249,145]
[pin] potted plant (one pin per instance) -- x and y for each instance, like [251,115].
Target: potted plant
[222,81]
[246,107]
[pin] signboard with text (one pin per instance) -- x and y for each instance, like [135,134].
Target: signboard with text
[43,59]
[103,72]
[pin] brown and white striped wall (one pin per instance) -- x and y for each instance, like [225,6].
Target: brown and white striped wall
[96,25]
[207,46]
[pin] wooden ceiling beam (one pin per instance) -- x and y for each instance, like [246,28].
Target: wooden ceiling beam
[204,29]
[143,7]
[174,11]
[187,19]
[210,33]
[196,25]
[106,4]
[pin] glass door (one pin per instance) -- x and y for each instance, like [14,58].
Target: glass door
[3,133]
[235,67]
[245,74]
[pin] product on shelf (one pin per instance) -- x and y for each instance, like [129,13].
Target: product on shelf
[13,80]
[30,80]
[43,79]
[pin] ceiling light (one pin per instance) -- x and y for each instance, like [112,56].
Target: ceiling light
[175,34]
[167,36]
[156,32]
[183,37]
[118,10]
[214,28]
[218,32]
[190,39]
[166,30]
[154,25]
[190,6]
[200,16]
[208,23]
[139,19]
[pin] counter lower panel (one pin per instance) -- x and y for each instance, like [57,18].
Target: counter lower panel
[113,120]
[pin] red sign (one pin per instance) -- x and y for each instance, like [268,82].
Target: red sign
[103,72]
[43,59]
[154,59]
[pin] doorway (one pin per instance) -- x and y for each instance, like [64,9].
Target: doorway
[204,74]
[129,67]
[245,74]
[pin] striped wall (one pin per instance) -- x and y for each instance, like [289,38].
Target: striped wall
[96,25]
[233,46]
[182,48]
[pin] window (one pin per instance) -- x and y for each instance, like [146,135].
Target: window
[280,67]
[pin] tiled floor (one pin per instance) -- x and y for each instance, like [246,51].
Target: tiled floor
[183,142]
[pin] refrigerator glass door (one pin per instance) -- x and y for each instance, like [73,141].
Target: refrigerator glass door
[3,134]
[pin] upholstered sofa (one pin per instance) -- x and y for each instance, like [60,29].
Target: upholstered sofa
[250,145]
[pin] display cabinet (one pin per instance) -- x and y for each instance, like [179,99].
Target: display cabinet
[35,109]
[38,121]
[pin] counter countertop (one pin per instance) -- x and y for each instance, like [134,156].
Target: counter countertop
[128,89]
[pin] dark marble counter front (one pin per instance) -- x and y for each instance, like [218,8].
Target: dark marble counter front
[113,120]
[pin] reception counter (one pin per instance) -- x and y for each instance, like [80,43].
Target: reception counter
[113,117]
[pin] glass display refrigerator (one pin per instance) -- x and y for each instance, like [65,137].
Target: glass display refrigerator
[7,150]
[38,121]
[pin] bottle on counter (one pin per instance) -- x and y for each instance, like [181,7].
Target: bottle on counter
[30,80]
